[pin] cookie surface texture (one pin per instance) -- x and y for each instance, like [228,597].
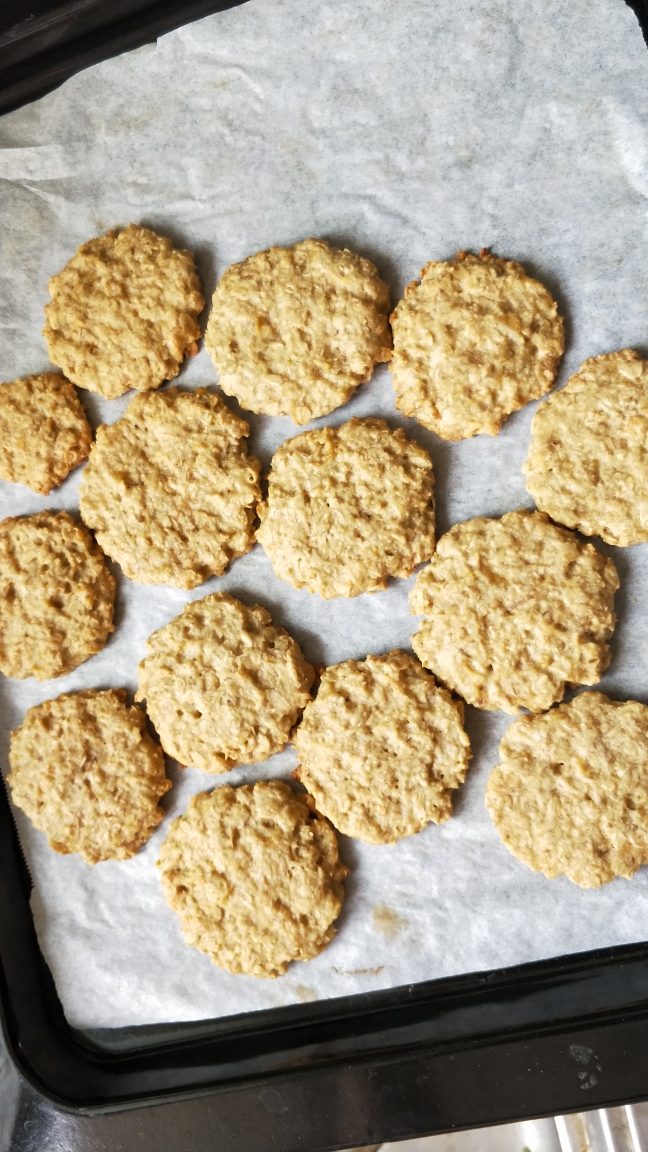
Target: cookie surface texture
[347,508]
[44,432]
[223,685]
[56,596]
[87,773]
[588,461]
[123,312]
[475,340]
[170,490]
[514,609]
[254,876]
[570,793]
[382,748]
[294,331]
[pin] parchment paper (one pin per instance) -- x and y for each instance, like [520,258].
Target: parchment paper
[406,131]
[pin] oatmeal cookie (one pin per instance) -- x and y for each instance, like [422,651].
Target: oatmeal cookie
[514,609]
[570,794]
[294,331]
[475,340]
[56,596]
[382,748]
[222,684]
[44,432]
[123,312]
[88,775]
[254,877]
[347,508]
[170,490]
[588,461]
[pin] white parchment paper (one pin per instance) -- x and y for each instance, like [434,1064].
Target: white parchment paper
[406,131]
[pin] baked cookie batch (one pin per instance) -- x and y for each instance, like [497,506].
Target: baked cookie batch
[514,611]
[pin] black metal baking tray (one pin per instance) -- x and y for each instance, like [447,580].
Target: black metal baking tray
[538,1039]
[549,1037]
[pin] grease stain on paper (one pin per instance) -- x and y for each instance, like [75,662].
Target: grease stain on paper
[305,994]
[359,971]
[387,921]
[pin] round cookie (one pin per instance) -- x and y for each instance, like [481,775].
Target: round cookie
[382,748]
[56,596]
[347,508]
[87,773]
[254,877]
[294,331]
[123,312]
[475,340]
[570,794]
[44,432]
[514,609]
[588,461]
[223,685]
[170,490]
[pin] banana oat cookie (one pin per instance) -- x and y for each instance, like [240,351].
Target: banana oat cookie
[475,340]
[570,794]
[170,490]
[514,609]
[56,596]
[382,748]
[87,773]
[123,312]
[294,331]
[254,877]
[347,508]
[223,685]
[588,461]
[44,432]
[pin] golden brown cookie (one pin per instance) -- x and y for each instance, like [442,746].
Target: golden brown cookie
[254,877]
[347,508]
[123,312]
[294,331]
[382,748]
[170,490]
[56,596]
[475,340]
[44,432]
[223,685]
[570,794]
[514,609]
[87,773]
[588,461]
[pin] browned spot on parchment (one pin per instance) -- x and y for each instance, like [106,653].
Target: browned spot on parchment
[358,971]
[387,921]
[305,993]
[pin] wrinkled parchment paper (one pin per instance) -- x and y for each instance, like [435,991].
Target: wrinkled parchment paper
[406,131]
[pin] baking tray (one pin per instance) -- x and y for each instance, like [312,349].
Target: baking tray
[544,1038]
